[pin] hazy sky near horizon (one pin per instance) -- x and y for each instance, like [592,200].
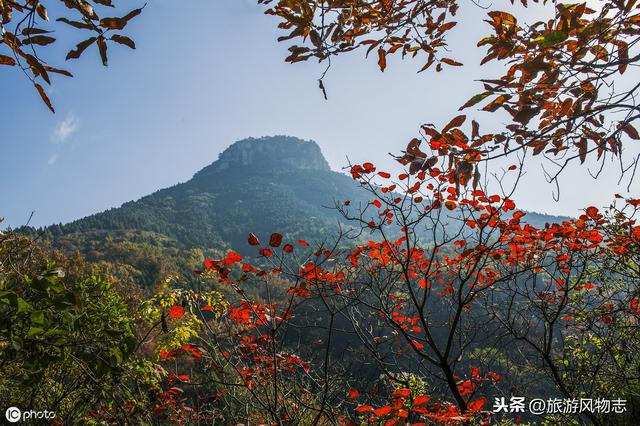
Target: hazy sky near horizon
[208,73]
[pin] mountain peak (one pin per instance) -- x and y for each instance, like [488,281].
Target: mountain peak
[269,153]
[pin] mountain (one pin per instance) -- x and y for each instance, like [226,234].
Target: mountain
[259,185]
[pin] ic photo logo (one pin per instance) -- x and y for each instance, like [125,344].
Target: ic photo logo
[14,415]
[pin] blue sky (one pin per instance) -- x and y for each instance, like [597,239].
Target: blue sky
[208,73]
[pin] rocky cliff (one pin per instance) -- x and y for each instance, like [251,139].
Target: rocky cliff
[269,153]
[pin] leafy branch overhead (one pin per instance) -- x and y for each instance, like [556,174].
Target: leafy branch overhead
[567,88]
[559,87]
[27,30]
[411,28]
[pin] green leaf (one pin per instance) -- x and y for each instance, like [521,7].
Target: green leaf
[37,317]
[9,298]
[476,99]
[34,331]
[116,356]
[23,305]
[551,39]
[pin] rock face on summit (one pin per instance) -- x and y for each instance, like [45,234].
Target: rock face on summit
[268,153]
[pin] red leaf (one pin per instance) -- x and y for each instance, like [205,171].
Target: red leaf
[451,205]
[631,131]
[451,62]
[382,59]
[266,252]
[353,393]
[465,388]
[176,312]
[275,240]
[623,56]
[288,248]
[456,122]
[494,376]
[44,97]
[123,40]
[421,400]
[377,203]
[508,204]
[417,344]
[7,60]
[303,243]
[194,350]
[240,315]
[253,240]
[592,212]
[382,411]
[402,393]
[232,258]
[476,405]
[248,268]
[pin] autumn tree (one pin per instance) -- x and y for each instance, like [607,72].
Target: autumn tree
[447,272]
[577,311]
